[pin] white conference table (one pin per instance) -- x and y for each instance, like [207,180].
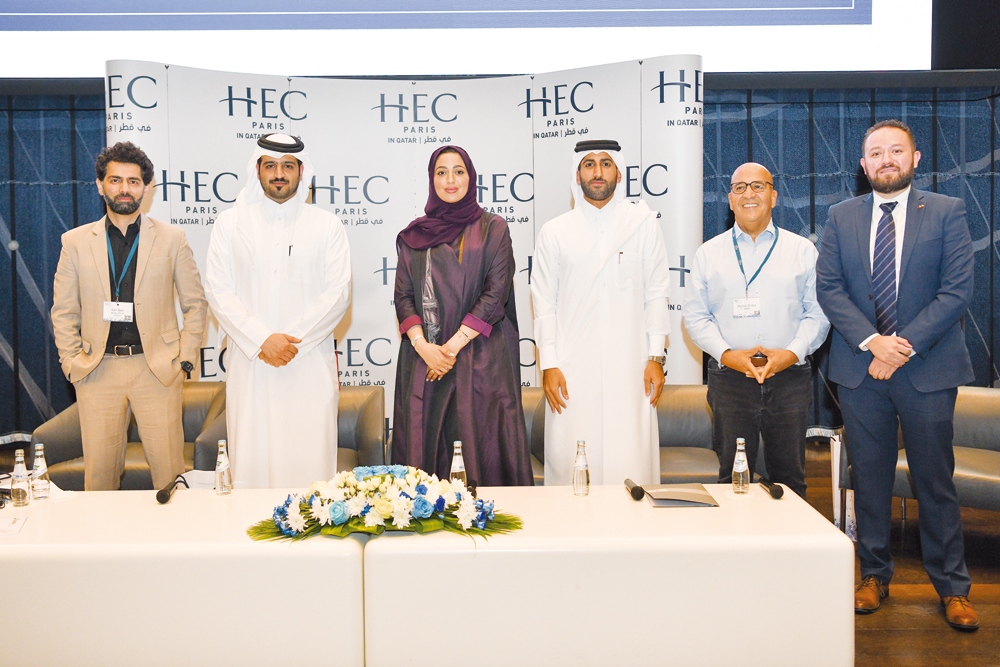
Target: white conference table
[113,578]
[604,580]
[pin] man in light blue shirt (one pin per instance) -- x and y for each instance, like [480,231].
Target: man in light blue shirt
[752,307]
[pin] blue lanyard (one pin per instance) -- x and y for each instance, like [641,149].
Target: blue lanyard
[128,260]
[739,258]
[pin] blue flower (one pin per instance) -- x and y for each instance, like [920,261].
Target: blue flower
[398,471]
[422,489]
[362,473]
[404,494]
[421,508]
[381,470]
[366,510]
[439,505]
[339,513]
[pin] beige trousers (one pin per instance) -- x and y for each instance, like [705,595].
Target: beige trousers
[118,387]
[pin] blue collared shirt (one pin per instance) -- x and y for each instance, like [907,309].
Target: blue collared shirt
[790,317]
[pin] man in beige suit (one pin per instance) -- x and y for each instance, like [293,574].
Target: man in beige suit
[115,324]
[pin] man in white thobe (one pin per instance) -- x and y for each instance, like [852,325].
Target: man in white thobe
[600,287]
[278,278]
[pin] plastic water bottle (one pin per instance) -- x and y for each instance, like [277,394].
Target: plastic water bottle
[581,471]
[458,464]
[40,483]
[20,482]
[223,473]
[741,471]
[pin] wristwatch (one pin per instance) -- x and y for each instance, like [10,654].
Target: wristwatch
[187,367]
[660,360]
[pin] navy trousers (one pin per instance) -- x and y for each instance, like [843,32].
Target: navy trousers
[873,412]
[777,409]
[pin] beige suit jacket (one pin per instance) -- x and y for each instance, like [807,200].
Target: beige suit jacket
[82,284]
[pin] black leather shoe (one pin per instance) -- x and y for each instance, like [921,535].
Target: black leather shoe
[869,595]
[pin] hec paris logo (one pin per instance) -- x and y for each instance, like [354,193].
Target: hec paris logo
[563,99]
[268,104]
[682,84]
[201,186]
[354,189]
[497,189]
[422,110]
[140,91]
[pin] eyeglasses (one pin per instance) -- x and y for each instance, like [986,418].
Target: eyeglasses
[757,186]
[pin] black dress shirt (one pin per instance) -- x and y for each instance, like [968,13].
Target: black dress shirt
[123,333]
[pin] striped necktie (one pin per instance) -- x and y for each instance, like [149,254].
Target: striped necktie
[884,272]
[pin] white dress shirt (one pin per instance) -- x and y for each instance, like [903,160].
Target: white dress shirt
[790,317]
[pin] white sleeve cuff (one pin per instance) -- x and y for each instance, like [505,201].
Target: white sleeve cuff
[864,343]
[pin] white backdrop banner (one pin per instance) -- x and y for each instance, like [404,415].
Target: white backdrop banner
[370,141]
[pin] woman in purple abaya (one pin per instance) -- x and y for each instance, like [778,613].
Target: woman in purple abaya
[458,376]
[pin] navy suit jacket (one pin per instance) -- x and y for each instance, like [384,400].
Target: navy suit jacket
[934,290]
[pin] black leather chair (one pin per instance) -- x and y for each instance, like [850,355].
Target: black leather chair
[361,435]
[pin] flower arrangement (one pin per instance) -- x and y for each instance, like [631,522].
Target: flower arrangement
[373,499]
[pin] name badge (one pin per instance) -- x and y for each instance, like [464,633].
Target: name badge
[117,311]
[746,307]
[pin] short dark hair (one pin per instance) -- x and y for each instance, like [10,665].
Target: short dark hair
[891,122]
[124,152]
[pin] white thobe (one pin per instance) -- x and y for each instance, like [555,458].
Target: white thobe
[600,286]
[280,268]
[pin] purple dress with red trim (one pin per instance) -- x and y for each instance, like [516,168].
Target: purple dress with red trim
[479,401]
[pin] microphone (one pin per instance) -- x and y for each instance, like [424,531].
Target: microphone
[636,491]
[772,488]
[163,495]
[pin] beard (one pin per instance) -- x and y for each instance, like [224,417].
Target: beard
[286,192]
[889,184]
[599,193]
[123,207]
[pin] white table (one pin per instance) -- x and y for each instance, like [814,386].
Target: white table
[605,580]
[113,578]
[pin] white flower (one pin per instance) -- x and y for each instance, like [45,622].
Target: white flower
[401,506]
[333,494]
[383,507]
[373,518]
[320,510]
[401,519]
[357,504]
[296,521]
[316,486]
[466,512]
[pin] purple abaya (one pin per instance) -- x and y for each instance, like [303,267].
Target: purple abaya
[479,400]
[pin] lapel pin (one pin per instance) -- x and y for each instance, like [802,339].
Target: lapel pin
[920,205]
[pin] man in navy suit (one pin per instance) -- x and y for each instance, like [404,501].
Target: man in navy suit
[894,277]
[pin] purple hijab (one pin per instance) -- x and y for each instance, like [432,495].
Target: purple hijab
[443,222]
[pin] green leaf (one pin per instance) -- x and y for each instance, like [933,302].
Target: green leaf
[343,530]
[428,525]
